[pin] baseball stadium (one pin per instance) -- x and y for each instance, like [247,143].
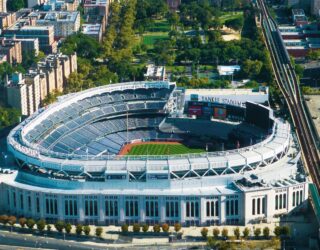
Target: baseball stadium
[152,152]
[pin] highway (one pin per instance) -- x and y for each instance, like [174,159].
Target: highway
[289,86]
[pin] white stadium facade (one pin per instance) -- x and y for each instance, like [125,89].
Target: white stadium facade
[69,166]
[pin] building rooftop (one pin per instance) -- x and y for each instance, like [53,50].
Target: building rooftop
[95,2]
[91,29]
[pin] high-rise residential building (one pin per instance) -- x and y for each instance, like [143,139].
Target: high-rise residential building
[3,5]
[7,19]
[26,92]
[12,49]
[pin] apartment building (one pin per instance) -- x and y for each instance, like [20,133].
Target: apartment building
[3,5]
[26,92]
[24,29]
[12,49]
[65,23]
[7,19]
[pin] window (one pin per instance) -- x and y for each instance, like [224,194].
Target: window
[236,207]
[208,208]
[197,208]
[301,198]
[232,207]
[227,207]
[284,200]
[297,198]
[280,203]
[38,204]
[277,203]
[253,206]
[217,208]
[29,203]
[212,208]
[21,201]
[293,199]
[263,205]
[188,209]
[258,206]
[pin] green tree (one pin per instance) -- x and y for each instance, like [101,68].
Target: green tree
[216,232]
[41,224]
[68,228]
[165,227]
[99,231]
[224,233]
[79,229]
[30,223]
[156,228]
[257,232]
[177,227]
[204,232]
[246,232]
[236,23]
[22,222]
[236,232]
[277,231]
[266,232]
[145,228]
[252,68]
[86,230]
[15,5]
[125,228]
[136,228]
[59,225]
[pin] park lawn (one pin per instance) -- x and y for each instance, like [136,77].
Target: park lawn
[230,16]
[162,149]
[151,37]
[159,26]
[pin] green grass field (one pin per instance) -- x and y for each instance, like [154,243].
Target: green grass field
[151,39]
[230,16]
[162,149]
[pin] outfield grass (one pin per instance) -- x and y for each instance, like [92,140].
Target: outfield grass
[162,149]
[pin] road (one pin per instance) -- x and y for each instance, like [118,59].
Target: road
[16,241]
[289,86]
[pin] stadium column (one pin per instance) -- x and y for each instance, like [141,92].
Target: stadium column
[81,207]
[142,213]
[162,202]
[121,206]
[60,207]
[101,220]
[222,207]
[202,210]
[183,210]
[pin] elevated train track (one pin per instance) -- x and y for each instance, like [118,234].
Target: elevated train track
[289,86]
